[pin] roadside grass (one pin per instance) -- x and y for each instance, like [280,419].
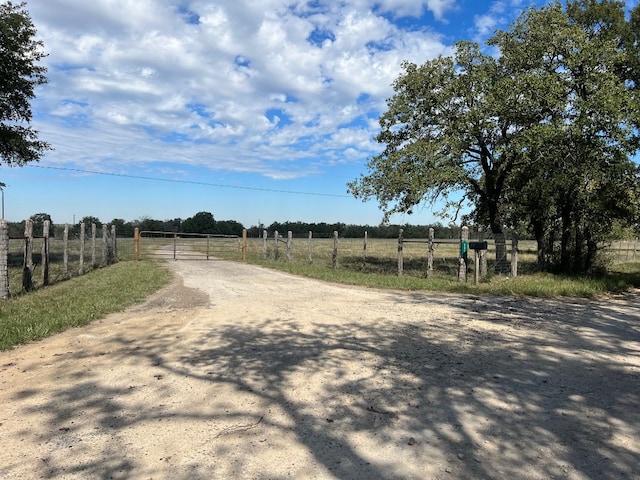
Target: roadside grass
[621,278]
[78,301]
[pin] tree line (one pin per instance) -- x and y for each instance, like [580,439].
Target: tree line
[205,223]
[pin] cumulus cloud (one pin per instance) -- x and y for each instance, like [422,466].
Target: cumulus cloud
[236,85]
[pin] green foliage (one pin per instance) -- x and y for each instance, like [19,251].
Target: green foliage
[19,75]
[201,222]
[539,137]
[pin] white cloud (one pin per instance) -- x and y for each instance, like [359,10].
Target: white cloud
[191,81]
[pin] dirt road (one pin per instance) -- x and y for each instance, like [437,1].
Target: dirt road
[238,372]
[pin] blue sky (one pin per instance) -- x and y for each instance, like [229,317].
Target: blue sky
[255,111]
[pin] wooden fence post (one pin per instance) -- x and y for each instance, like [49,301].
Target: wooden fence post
[514,255]
[93,245]
[310,252]
[27,267]
[105,247]
[464,249]
[400,252]
[82,231]
[114,245]
[4,259]
[501,254]
[275,240]
[244,244]
[45,252]
[483,254]
[334,257]
[430,251]
[264,244]
[289,242]
[65,251]
[364,249]
[136,243]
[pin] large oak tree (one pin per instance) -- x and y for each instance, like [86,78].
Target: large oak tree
[538,134]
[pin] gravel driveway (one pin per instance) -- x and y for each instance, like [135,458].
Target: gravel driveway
[239,372]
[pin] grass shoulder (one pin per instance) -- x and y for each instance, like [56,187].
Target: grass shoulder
[620,278]
[78,301]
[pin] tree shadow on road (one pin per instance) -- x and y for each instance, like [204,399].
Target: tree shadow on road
[392,399]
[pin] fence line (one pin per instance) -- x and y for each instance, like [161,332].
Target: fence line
[26,271]
[463,264]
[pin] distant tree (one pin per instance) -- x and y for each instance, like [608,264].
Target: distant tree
[123,229]
[172,225]
[19,75]
[38,223]
[201,222]
[150,225]
[228,227]
[88,220]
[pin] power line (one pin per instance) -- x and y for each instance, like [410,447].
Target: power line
[190,182]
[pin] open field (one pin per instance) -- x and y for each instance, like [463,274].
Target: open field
[353,263]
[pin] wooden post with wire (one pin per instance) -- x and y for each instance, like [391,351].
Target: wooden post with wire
[244,244]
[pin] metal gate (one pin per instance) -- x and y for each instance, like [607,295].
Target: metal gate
[185,246]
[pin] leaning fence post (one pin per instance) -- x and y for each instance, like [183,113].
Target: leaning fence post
[400,249]
[514,255]
[45,252]
[4,259]
[310,252]
[334,257]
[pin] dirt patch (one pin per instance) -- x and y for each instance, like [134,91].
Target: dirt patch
[235,371]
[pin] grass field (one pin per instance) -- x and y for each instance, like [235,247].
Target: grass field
[377,265]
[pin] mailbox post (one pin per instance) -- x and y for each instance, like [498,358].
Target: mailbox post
[477,247]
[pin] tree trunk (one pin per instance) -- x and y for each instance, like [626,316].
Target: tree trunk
[542,243]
